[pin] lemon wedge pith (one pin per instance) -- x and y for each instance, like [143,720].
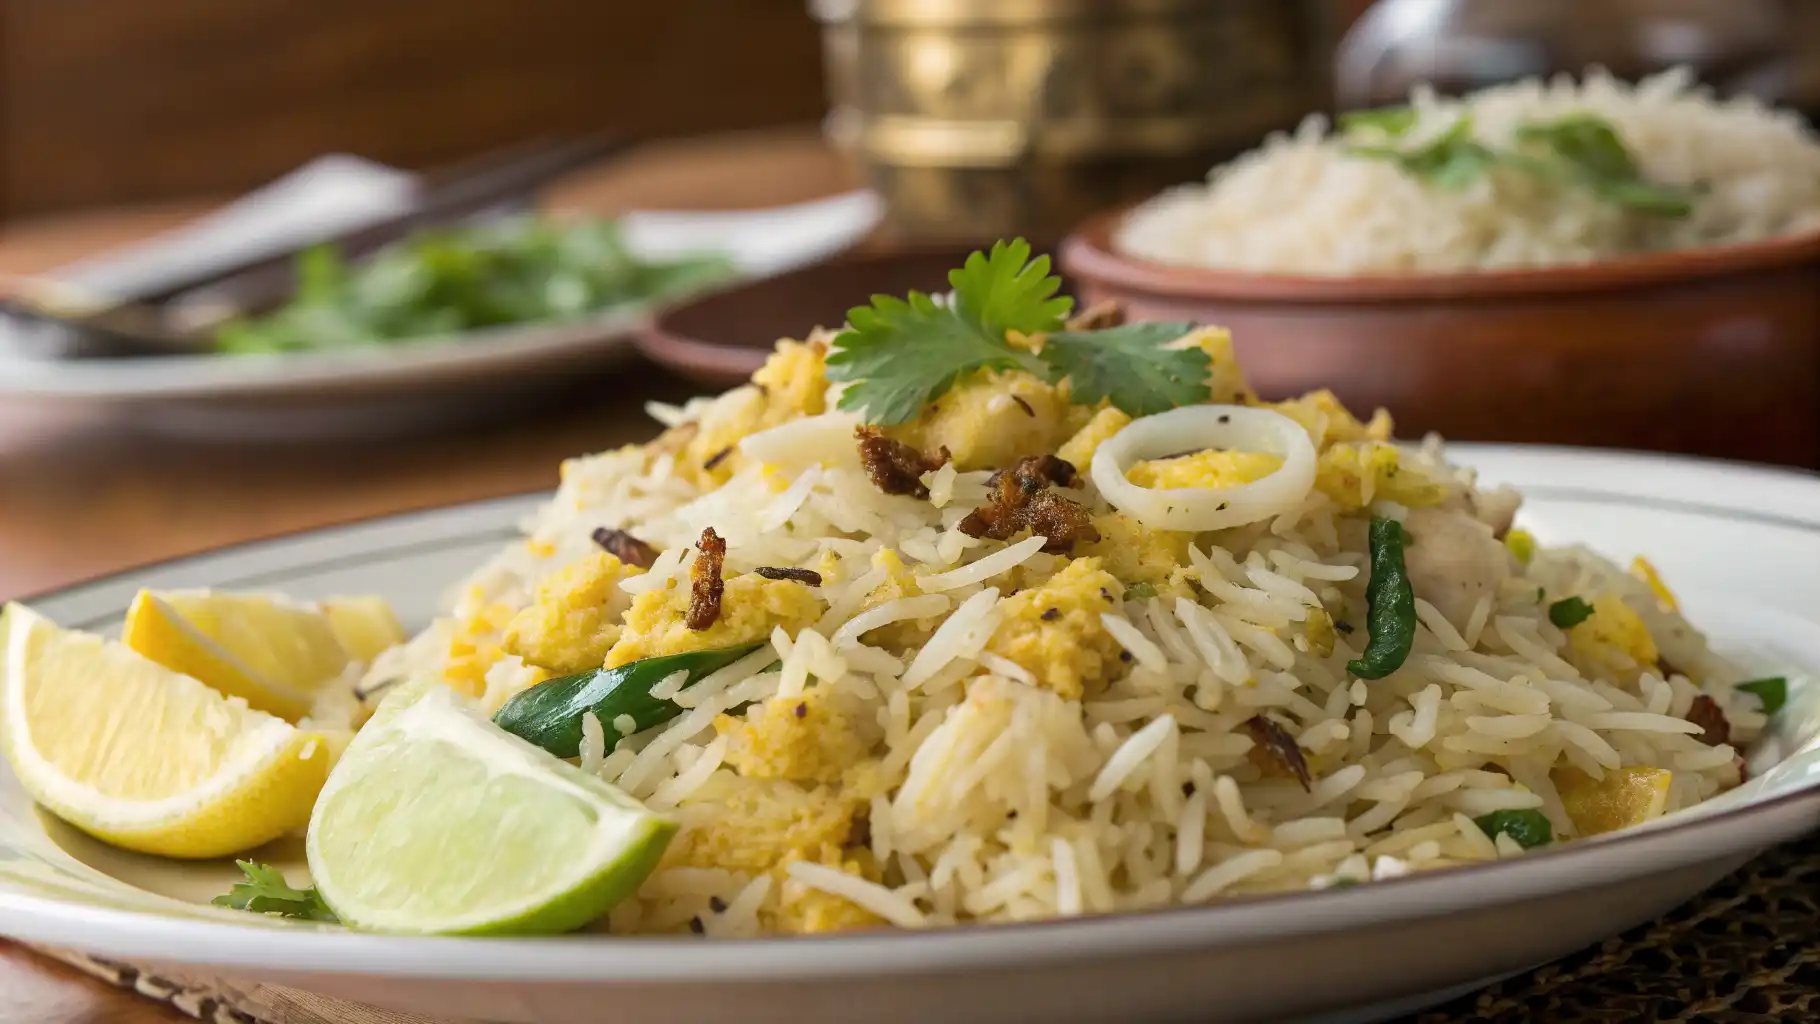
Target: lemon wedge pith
[273,654]
[143,757]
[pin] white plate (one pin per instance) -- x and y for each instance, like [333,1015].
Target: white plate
[431,381]
[1739,543]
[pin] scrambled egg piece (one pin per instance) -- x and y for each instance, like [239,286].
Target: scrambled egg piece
[574,621]
[1354,474]
[1328,422]
[805,911]
[803,738]
[1320,632]
[795,379]
[989,419]
[759,824]
[474,645]
[1078,450]
[1135,553]
[1054,631]
[1208,468]
[1226,382]
[1624,797]
[899,582]
[1645,570]
[749,609]
[792,383]
[1613,642]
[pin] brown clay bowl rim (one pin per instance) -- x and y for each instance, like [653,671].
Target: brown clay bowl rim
[1088,254]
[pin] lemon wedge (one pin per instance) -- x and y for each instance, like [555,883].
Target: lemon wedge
[365,626]
[142,757]
[274,654]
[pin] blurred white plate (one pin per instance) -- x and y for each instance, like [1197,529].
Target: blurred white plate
[410,385]
[1738,543]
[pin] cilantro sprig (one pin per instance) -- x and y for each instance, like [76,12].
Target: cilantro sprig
[265,891]
[899,355]
[1580,150]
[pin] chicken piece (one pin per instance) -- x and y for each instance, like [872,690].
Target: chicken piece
[1078,450]
[574,620]
[804,738]
[990,418]
[1453,562]
[751,606]
[1210,468]
[1355,474]
[1055,633]
[1135,553]
[1624,797]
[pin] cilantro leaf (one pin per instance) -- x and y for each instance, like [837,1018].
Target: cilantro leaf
[1773,692]
[1132,365]
[1569,612]
[266,892]
[1006,290]
[1451,160]
[1392,121]
[899,356]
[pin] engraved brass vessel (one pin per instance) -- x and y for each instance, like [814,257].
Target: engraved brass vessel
[982,118]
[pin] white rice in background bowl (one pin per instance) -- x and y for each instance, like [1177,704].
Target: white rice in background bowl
[1306,203]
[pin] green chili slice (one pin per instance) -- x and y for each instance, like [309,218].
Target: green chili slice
[1530,828]
[1391,619]
[549,714]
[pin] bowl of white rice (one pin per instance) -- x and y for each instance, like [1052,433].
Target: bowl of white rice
[1489,266]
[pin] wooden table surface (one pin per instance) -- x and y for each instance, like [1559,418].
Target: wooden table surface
[78,500]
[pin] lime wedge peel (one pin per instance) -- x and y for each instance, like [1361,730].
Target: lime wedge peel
[436,821]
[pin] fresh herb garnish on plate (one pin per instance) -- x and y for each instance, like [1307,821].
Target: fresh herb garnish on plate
[898,355]
[451,280]
[1580,150]
[265,891]
[1529,827]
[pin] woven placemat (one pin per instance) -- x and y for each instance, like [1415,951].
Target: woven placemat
[1746,950]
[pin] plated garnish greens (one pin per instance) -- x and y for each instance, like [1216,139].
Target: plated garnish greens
[450,280]
[973,610]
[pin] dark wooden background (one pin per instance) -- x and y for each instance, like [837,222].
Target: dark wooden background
[115,101]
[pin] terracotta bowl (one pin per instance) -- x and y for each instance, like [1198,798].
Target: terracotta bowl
[718,340]
[1711,351]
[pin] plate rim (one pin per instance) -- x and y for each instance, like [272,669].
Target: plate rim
[1251,920]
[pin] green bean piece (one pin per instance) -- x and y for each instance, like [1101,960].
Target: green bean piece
[1391,619]
[1569,612]
[549,714]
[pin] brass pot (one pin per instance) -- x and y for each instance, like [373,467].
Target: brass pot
[983,118]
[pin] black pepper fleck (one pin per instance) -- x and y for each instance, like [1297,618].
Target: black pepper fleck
[716,904]
[802,710]
[718,457]
[1021,404]
[1051,614]
[1187,789]
[1124,655]
[1342,625]
[1107,594]
[1225,417]
[1011,814]
[696,926]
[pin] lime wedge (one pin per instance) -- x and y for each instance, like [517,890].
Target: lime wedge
[437,822]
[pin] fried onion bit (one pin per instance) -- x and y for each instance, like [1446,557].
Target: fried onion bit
[1706,713]
[1274,751]
[1021,500]
[1098,317]
[704,581]
[808,577]
[893,466]
[625,547]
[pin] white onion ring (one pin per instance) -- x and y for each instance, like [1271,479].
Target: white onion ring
[1192,428]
